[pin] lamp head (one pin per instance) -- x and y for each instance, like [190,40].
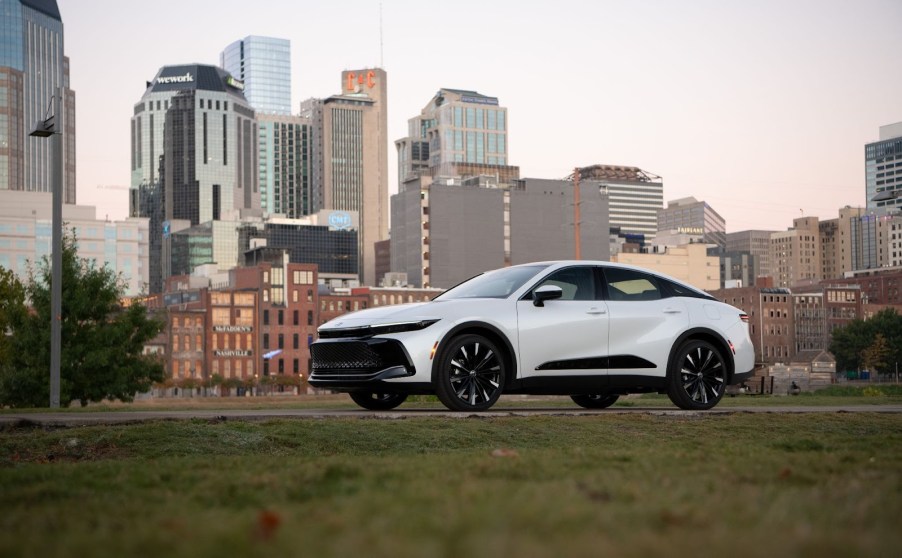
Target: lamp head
[44,128]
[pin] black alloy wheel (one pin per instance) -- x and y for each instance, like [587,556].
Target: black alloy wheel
[470,374]
[597,401]
[698,376]
[377,401]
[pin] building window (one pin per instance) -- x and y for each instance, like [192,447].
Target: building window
[281,341]
[309,317]
[296,318]
[296,340]
[265,317]
[281,317]
[265,340]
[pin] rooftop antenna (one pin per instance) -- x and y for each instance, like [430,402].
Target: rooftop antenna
[381,63]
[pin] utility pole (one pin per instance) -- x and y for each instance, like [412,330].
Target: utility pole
[53,126]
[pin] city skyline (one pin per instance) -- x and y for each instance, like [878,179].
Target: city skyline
[762,111]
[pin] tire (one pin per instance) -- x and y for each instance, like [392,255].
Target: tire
[471,374]
[378,401]
[698,376]
[598,401]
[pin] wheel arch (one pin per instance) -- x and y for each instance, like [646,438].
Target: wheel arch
[488,331]
[704,334]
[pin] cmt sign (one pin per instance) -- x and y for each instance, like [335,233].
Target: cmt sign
[355,82]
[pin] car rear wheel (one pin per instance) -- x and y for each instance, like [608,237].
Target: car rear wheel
[377,401]
[598,401]
[470,374]
[698,376]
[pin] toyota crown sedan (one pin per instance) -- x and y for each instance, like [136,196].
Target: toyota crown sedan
[590,330]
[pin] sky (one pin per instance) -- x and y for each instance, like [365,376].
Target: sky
[762,109]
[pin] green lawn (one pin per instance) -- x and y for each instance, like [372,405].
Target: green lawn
[879,394]
[605,485]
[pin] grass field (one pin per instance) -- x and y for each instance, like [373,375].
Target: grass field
[605,485]
[879,394]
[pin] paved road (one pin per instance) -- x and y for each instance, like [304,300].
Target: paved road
[88,418]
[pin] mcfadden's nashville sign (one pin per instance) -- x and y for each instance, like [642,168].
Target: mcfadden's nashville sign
[233,329]
[233,353]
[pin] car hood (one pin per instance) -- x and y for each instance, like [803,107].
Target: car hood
[381,315]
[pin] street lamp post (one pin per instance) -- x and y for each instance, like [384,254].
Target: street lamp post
[52,126]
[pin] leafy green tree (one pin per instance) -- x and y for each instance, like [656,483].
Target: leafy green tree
[12,309]
[102,341]
[850,344]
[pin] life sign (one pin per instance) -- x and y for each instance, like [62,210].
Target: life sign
[355,82]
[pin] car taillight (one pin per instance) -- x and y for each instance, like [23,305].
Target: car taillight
[744,317]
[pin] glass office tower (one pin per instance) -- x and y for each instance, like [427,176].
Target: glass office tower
[264,65]
[193,155]
[285,146]
[32,67]
[455,126]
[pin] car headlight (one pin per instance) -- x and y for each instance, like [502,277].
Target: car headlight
[400,327]
[379,329]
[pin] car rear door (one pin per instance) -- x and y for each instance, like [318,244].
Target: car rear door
[644,323]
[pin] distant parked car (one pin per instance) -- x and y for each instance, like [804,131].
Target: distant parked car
[590,330]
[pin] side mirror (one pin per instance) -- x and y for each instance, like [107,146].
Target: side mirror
[546,292]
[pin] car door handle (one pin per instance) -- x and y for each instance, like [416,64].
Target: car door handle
[596,311]
[672,311]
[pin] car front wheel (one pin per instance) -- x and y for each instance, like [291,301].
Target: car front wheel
[470,374]
[600,401]
[698,376]
[377,401]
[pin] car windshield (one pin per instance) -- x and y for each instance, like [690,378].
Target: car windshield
[500,283]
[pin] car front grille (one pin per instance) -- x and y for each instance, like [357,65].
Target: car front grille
[339,358]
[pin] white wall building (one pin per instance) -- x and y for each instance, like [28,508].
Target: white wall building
[25,237]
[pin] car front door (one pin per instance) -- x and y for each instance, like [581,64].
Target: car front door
[566,336]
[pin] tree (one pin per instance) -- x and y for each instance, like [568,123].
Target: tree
[851,342]
[12,310]
[874,356]
[102,342]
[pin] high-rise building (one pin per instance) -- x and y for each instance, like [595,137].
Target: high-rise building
[263,64]
[448,230]
[883,169]
[33,66]
[738,269]
[286,152]
[635,197]
[693,216]
[25,238]
[795,254]
[455,126]
[193,154]
[350,157]
[754,242]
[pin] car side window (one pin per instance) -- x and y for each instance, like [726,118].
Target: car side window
[631,285]
[578,283]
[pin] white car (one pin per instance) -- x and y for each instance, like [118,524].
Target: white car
[590,330]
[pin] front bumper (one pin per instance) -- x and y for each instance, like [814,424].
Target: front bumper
[358,363]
